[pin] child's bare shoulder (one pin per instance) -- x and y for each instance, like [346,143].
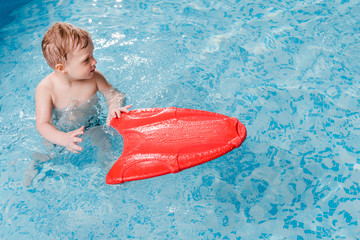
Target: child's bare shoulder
[100,80]
[98,75]
[45,85]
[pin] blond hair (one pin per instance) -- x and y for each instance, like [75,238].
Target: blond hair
[61,39]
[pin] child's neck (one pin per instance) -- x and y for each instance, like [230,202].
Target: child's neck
[64,78]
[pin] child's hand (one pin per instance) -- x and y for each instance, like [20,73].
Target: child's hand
[72,138]
[115,113]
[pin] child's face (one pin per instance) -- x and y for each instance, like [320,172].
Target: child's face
[81,63]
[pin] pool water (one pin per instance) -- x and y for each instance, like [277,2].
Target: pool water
[288,70]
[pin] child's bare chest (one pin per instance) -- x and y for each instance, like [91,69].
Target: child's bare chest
[73,95]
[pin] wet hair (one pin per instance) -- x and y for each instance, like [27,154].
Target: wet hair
[61,39]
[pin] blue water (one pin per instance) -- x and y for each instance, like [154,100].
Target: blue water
[289,70]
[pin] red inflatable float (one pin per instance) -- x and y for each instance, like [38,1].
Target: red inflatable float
[159,141]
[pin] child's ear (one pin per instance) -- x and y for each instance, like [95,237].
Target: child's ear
[60,67]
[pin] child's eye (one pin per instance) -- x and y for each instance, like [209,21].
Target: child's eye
[86,60]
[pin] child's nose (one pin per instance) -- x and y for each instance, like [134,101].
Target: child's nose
[94,60]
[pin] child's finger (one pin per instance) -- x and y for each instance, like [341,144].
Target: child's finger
[116,113]
[82,128]
[77,139]
[77,147]
[78,132]
[126,108]
[72,150]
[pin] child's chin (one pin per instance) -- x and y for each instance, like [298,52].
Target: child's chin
[90,75]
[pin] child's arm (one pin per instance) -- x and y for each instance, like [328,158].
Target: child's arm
[114,98]
[47,130]
[115,101]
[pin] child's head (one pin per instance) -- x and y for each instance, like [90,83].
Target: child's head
[60,40]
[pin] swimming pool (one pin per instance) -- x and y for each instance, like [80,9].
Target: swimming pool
[289,70]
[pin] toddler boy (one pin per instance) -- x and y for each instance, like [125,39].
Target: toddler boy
[73,84]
